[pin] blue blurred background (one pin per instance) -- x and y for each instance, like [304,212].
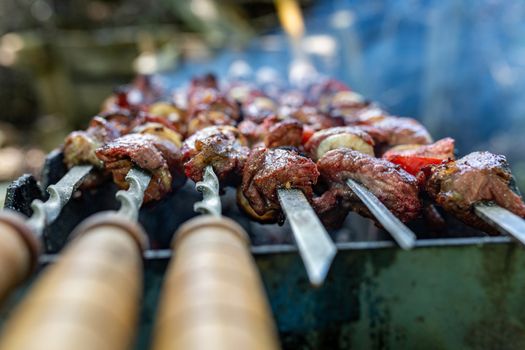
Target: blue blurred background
[458,66]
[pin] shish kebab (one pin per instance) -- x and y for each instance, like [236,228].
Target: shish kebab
[293,121]
[226,149]
[303,74]
[23,237]
[323,106]
[477,185]
[206,106]
[109,245]
[394,180]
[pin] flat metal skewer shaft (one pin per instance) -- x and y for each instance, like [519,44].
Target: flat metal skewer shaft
[315,246]
[399,231]
[502,219]
[44,213]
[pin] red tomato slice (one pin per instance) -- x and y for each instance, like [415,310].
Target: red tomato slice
[414,164]
[307,133]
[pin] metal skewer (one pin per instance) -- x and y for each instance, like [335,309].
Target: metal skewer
[44,213]
[502,219]
[399,231]
[315,246]
[96,284]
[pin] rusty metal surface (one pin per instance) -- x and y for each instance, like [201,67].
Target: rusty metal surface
[462,296]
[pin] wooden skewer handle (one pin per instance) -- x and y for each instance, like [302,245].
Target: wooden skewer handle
[19,251]
[89,299]
[213,297]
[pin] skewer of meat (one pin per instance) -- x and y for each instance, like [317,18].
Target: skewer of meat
[154,147]
[303,111]
[478,189]
[23,236]
[267,184]
[360,182]
[80,157]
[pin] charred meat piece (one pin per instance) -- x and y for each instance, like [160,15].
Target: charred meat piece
[252,131]
[314,118]
[292,99]
[288,132]
[339,137]
[478,177]
[123,120]
[222,147]
[80,146]
[392,131]
[160,157]
[207,107]
[394,187]
[273,132]
[413,158]
[266,171]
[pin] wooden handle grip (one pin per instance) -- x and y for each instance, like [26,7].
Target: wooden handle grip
[19,251]
[213,297]
[89,299]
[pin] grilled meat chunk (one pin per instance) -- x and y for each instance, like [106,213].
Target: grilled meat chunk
[314,118]
[339,137]
[252,131]
[394,187]
[478,177]
[222,147]
[288,132]
[207,107]
[273,132]
[80,146]
[268,169]
[123,120]
[159,156]
[392,131]
[206,81]
[242,92]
